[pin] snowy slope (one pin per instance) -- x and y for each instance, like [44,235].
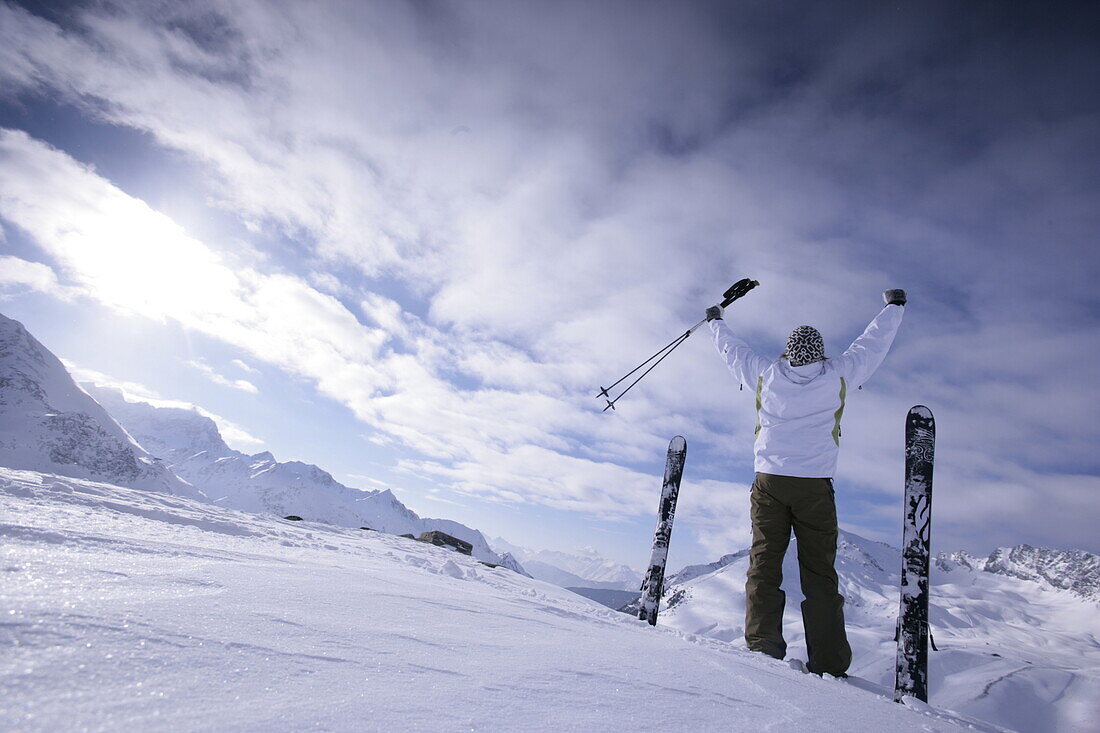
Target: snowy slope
[47,423]
[130,610]
[1016,652]
[585,568]
[194,449]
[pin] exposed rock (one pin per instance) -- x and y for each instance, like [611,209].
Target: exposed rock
[442,539]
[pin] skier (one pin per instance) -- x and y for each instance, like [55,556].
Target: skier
[799,403]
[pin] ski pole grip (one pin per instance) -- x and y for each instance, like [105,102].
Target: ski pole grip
[737,290]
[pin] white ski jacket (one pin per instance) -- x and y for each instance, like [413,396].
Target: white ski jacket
[798,409]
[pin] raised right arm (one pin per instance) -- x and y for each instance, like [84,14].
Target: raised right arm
[867,352]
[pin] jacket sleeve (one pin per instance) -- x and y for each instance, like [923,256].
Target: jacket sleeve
[742,361]
[867,352]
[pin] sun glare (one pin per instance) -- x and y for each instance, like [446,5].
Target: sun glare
[140,260]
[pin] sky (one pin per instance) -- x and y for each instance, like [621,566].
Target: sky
[408,241]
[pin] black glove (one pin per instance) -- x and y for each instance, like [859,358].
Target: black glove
[894,297]
[714,313]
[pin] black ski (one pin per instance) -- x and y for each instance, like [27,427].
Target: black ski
[911,672]
[655,576]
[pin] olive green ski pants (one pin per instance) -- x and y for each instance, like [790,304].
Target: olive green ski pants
[780,503]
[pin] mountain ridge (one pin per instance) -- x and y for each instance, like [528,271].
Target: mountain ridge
[52,425]
[48,423]
[192,446]
[586,568]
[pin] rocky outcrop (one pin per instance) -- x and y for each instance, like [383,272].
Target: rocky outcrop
[1074,570]
[442,539]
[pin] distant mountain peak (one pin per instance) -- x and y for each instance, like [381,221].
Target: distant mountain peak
[190,434]
[1074,570]
[191,444]
[695,571]
[49,424]
[585,567]
[509,561]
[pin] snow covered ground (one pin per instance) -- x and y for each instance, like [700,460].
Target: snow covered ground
[1013,651]
[122,609]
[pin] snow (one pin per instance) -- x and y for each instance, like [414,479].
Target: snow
[1016,652]
[48,423]
[1073,570]
[128,609]
[192,446]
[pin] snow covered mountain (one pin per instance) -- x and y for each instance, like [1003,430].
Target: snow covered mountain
[1017,632]
[509,561]
[191,445]
[129,610]
[586,568]
[1073,570]
[553,574]
[47,423]
[691,572]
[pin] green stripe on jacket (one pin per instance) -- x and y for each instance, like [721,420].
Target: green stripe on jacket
[839,411]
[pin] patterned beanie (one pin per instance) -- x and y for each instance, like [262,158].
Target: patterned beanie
[805,346]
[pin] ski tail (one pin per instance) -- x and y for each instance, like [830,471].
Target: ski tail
[911,669]
[666,512]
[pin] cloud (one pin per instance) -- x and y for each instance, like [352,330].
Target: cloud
[18,273]
[718,512]
[406,395]
[244,367]
[139,261]
[131,390]
[208,371]
[234,435]
[592,204]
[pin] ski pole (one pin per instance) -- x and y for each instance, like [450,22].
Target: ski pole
[735,291]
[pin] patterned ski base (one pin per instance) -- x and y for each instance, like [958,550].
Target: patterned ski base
[670,490]
[911,675]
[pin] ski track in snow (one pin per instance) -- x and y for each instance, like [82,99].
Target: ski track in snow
[127,610]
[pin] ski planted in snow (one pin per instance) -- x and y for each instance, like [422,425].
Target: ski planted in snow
[911,672]
[670,489]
